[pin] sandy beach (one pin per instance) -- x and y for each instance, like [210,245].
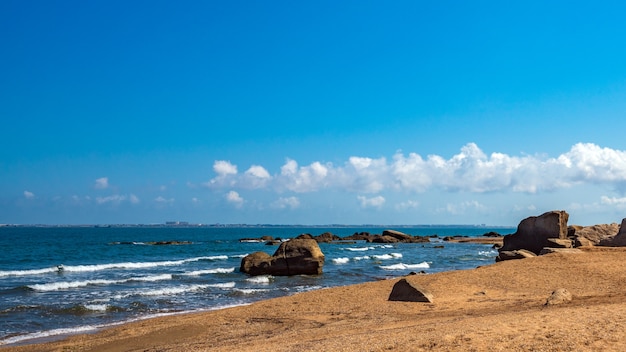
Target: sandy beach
[498,307]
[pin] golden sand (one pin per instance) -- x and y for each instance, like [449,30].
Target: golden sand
[499,307]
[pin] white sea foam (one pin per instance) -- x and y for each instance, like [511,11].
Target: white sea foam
[239,255]
[261,279]
[65,285]
[108,266]
[44,334]
[341,260]
[387,256]
[171,291]
[250,291]
[96,307]
[210,271]
[359,249]
[56,286]
[365,257]
[402,266]
[223,285]
[491,253]
[215,257]
[28,272]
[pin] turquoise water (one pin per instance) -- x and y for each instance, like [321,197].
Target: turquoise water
[111,275]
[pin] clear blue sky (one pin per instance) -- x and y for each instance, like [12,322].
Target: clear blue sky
[404,112]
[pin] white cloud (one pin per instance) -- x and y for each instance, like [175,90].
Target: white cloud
[133,199]
[226,174]
[374,202]
[234,198]
[471,170]
[256,177]
[288,202]
[113,199]
[613,200]
[462,208]
[409,204]
[305,178]
[102,183]
[163,200]
[29,195]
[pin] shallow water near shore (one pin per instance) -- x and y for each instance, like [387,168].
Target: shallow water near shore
[57,281]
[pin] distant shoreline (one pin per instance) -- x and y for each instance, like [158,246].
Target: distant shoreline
[189,225]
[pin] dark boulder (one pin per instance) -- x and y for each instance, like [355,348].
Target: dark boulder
[293,257]
[533,232]
[327,237]
[406,291]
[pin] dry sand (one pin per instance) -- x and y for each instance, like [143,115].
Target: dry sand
[499,307]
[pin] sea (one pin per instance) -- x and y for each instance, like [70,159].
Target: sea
[59,281]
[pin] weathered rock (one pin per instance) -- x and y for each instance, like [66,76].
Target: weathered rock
[293,257]
[402,237]
[583,242]
[558,243]
[304,236]
[255,263]
[406,291]
[492,234]
[359,236]
[618,240]
[533,232]
[384,239]
[592,234]
[559,296]
[516,254]
[548,250]
[327,237]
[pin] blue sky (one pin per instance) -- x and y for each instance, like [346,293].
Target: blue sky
[321,112]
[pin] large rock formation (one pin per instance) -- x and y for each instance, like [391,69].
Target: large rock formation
[294,257]
[592,235]
[533,233]
[618,240]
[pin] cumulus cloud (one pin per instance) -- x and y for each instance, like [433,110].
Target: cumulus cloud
[102,183]
[29,195]
[470,170]
[226,174]
[374,202]
[256,177]
[303,179]
[288,202]
[234,198]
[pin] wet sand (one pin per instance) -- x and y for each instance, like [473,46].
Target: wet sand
[499,307]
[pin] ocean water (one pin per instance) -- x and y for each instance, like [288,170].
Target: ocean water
[56,281]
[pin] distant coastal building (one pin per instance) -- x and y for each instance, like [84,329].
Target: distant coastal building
[177,223]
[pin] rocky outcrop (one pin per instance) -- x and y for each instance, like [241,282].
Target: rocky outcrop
[618,240]
[592,235]
[293,257]
[533,233]
[406,291]
[327,237]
